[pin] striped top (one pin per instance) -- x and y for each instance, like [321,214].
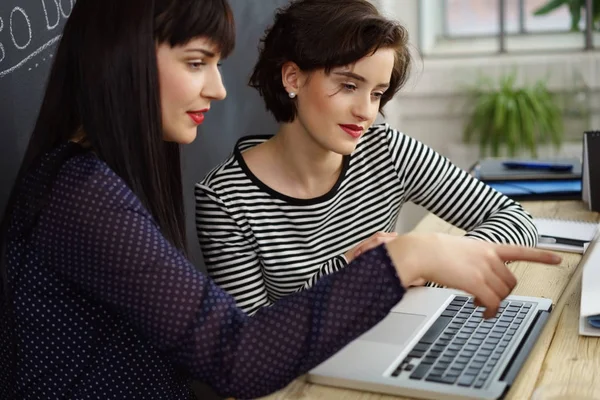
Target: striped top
[260,245]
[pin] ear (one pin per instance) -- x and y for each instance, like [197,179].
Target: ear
[291,77]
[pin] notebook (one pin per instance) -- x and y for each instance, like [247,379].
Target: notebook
[569,189]
[564,235]
[494,170]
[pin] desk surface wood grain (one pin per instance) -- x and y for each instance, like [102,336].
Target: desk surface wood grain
[560,355]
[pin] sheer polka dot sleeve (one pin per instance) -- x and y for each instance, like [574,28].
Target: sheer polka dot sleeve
[107,245]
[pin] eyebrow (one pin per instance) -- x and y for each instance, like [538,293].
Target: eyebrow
[360,78]
[203,51]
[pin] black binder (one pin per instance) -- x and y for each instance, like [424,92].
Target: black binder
[591,170]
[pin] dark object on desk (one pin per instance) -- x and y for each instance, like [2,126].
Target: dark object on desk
[591,170]
[566,189]
[538,165]
[502,170]
[560,240]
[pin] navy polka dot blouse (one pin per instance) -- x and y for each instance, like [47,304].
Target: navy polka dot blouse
[105,308]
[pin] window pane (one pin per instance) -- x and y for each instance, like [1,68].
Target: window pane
[548,32]
[512,16]
[473,26]
[472,17]
[556,20]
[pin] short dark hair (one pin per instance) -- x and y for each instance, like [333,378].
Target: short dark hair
[326,34]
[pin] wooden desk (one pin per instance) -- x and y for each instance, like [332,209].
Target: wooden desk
[560,355]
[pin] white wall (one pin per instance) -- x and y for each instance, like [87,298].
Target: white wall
[431,106]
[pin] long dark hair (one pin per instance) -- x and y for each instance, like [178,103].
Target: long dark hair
[104,83]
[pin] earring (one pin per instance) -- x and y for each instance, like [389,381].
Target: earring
[292,95]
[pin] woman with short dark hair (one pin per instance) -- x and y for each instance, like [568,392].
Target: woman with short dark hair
[287,209]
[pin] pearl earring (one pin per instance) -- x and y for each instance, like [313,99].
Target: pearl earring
[292,95]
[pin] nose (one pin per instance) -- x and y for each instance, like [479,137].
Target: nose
[363,108]
[213,87]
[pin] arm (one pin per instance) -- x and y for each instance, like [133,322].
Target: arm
[333,265]
[230,256]
[129,266]
[432,181]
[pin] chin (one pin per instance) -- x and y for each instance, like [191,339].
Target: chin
[344,149]
[183,137]
[187,139]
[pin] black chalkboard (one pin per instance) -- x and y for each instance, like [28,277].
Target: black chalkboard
[29,32]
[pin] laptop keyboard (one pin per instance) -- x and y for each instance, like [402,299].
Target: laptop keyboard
[461,348]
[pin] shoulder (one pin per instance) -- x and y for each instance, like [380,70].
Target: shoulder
[226,168]
[383,138]
[86,180]
[381,135]
[231,174]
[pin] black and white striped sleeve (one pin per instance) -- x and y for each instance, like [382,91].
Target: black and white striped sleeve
[230,258]
[452,194]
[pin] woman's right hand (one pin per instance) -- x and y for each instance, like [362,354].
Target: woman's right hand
[473,266]
[370,243]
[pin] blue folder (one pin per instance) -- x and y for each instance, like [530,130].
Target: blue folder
[568,189]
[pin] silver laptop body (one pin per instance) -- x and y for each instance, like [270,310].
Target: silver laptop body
[427,319]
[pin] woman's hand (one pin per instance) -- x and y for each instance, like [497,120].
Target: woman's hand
[473,266]
[370,243]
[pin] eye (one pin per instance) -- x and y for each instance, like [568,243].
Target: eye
[377,95]
[349,87]
[196,64]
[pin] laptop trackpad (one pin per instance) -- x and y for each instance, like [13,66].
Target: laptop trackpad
[396,328]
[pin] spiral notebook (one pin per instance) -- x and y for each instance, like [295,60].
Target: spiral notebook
[564,235]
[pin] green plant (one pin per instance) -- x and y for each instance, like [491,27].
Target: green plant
[575,7]
[504,115]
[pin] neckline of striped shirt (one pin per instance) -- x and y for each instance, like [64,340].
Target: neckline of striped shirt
[257,139]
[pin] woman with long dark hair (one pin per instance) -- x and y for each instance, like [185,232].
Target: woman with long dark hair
[98,299]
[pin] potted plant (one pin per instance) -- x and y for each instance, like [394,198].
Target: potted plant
[575,7]
[507,118]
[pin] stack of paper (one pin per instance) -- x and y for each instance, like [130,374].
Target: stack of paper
[564,235]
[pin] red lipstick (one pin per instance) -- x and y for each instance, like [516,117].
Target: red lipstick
[353,130]
[197,116]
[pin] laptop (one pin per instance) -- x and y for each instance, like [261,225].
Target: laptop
[435,344]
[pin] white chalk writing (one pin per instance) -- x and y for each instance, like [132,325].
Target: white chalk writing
[2,53]
[20,42]
[19,9]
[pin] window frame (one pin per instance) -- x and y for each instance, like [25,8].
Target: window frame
[433,29]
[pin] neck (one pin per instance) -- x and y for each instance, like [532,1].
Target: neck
[303,160]
[80,138]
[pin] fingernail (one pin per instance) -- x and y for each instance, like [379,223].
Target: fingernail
[556,258]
